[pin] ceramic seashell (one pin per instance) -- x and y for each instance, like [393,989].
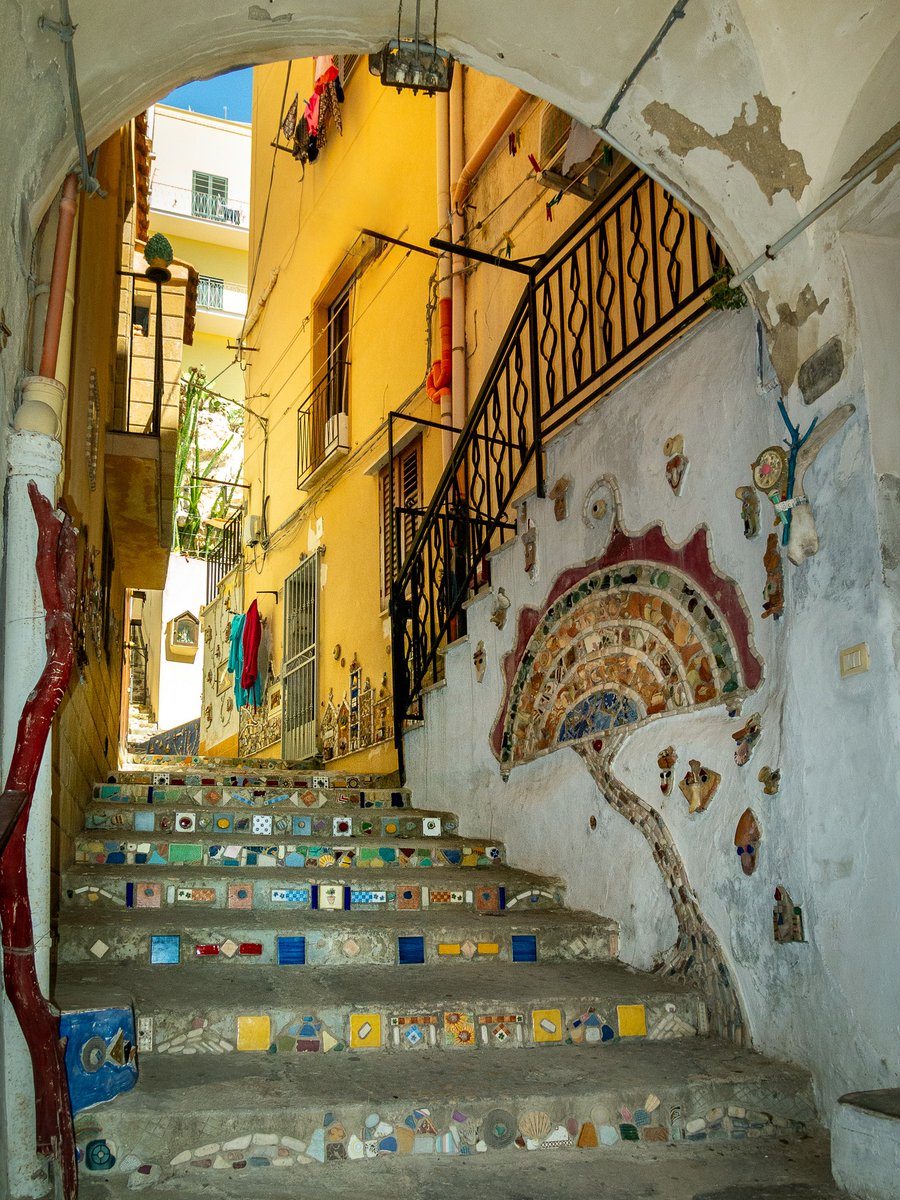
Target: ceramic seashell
[535,1125]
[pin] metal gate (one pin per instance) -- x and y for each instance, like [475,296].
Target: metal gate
[301,667]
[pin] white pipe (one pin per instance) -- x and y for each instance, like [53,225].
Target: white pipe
[457,234]
[848,185]
[442,139]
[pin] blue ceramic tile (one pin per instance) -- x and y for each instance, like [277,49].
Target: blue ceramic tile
[291,951]
[100,1056]
[411,950]
[165,948]
[524,947]
[302,826]
[502,893]
[129,895]
[144,821]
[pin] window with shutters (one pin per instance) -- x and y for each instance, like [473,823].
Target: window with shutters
[210,196]
[402,523]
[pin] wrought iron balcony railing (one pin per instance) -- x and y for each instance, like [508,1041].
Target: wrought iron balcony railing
[323,421]
[622,282]
[223,554]
[220,295]
[182,201]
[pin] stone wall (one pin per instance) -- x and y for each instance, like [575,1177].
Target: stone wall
[826,835]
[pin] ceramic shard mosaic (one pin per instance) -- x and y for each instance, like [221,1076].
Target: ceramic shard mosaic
[641,631]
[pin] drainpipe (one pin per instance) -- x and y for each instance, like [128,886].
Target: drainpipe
[465,174]
[438,383]
[35,453]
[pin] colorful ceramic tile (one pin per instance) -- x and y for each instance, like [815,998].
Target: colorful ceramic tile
[185,852]
[409,897]
[100,1055]
[223,822]
[144,821]
[240,895]
[410,950]
[165,948]
[524,947]
[331,896]
[459,1029]
[342,826]
[365,1031]
[632,1020]
[291,951]
[147,895]
[487,899]
[185,822]
[301,826]
[254,1033]
[262,824]
[290,895]
[431,827]
[547,1025]
[449,949]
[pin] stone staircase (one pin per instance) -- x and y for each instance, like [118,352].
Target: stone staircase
[321,972]
[142,723]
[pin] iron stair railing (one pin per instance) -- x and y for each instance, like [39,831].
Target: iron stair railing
[621,283]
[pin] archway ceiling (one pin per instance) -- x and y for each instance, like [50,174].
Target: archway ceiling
[693,112]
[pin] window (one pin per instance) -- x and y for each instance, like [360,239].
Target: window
[300,678]
[140,317]
[407,472]
[338,350]
[210,292]
[210,195]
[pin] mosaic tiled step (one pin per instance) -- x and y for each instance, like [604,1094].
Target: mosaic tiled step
[230,1109]
[490,1007]
[275,795]
[262,852]
[331,938]
[497,889]
[285,821]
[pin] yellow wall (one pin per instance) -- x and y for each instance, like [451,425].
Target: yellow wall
[381,175]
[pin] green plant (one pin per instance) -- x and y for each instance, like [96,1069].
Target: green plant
[721,296]
[191,533]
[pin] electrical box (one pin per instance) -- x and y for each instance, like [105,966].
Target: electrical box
[252,530]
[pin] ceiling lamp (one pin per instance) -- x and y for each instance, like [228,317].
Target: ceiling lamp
[412,63]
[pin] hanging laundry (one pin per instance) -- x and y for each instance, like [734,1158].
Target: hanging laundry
[250,647]
[325,72]
[243,697]
[311,114]
[289,124]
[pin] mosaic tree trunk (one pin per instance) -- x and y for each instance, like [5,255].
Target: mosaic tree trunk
[38,1019]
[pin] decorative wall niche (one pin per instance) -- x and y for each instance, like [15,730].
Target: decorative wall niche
[182,638]
[666,759]
[699,786]
[787,918]
[747,837]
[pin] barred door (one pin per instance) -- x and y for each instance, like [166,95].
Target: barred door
[301,673]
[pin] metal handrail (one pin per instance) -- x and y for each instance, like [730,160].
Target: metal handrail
[627,278]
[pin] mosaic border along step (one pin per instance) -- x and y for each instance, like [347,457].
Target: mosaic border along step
[207,852]
[289,894]
[244,773]
[344,943]
[265,794]
[320,823]
[229,1134]
[482,1025]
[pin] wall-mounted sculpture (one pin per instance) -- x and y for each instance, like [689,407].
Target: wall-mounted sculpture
[746,739]
[678,463]
[501,605]
[780,476]
[749,510]
[529,542]
[479,661]
[559,494]
[773,589]
[666,759]
[787,918]
[770,778]
[747,837]
[699,786]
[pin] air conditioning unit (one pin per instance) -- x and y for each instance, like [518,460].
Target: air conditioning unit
[252,530]
[337,434]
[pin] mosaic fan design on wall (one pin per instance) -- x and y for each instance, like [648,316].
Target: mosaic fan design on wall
[643,630]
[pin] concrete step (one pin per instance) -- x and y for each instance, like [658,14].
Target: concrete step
[333,938]
[264,853]
[489,1007]
[247,1112]
[332,820]
[497,889]
[262,794]
[794,1170]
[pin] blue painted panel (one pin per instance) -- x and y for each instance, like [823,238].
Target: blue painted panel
[411,949]
[524,947]
[101,1055]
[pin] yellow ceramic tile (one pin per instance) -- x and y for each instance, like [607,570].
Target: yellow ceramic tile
[632,1020]
[547,1024]
[365,1031]
[254,1033]
[446,948]
[488,948]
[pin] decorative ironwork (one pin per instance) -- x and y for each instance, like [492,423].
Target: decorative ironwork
[225,556]
[622,282]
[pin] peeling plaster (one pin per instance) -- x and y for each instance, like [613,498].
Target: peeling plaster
[784,337]
[757,145]
[882,144]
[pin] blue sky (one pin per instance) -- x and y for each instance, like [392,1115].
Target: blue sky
[213,96]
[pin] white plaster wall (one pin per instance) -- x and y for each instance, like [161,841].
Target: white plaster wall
[831,834]
[184,142]
[180,683]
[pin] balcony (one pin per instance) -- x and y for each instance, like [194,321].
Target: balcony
[226,222]
[323,423]
[221,306]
